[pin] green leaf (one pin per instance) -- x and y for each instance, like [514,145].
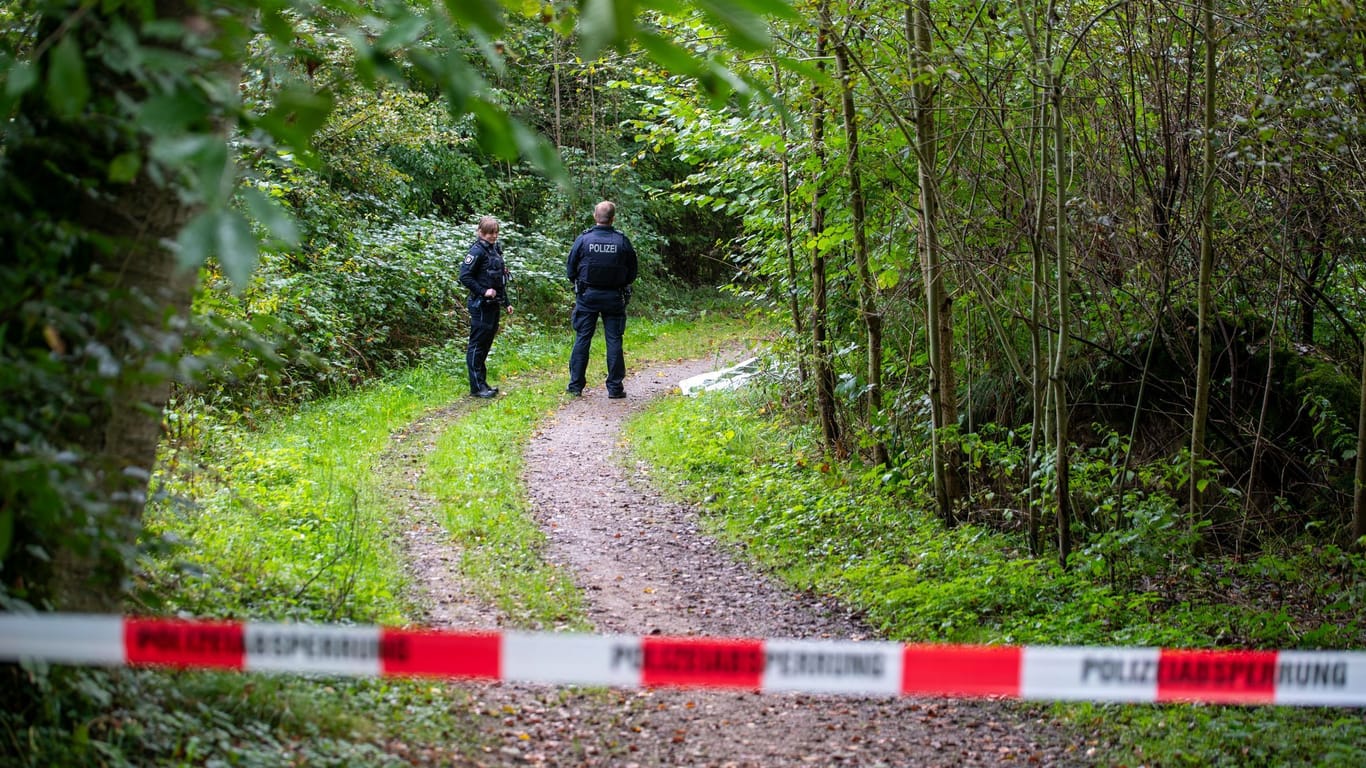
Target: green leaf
[604,24]
[781,9]
[67,87]
[172,112]
[402,32]
[125,167]
[297,115]
[669,54]
[179,150]
[195,241]
[459,81]
[278,26]
[366,66]
[808,71]
[670,7]
[236,248]
[271,215]
[482,14]
[495,130]
[540,152]
[19,78]
[201,157]
[744,28]
[730,83]
[212,171]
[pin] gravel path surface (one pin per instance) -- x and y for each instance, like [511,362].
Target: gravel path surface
[645,567]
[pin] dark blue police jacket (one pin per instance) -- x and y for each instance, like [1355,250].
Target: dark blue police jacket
[602,258]
[483,269]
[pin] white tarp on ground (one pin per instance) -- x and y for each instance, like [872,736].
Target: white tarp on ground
[726,378]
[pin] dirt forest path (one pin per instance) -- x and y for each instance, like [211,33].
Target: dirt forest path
[645,567]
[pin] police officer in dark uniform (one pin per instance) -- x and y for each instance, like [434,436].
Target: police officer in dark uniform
[484,274]
[602,265]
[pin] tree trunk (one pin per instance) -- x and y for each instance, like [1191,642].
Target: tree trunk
[1062,458]
[1359,498]
[868,309]
[1204,362]
[121,442]
[1038,436]
[555,54]
[938,329]
[789,248]
[1038,355]
[822,365]
[121,356]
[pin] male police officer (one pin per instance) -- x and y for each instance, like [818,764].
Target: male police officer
[484,274]
[602,265]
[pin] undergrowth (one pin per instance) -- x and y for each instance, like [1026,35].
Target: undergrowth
[130,717]
[868,538]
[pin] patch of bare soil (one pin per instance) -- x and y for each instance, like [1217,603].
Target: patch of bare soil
[645,567]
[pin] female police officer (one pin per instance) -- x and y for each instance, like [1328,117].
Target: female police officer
[484,274]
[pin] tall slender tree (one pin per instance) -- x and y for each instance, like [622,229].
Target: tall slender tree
[822,364]
[943,400]
[1062,463]
[1359,497]
[76,163]
[1200,417]
[789,246]
[867,286]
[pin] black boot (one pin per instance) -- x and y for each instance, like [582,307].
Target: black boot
[482,389]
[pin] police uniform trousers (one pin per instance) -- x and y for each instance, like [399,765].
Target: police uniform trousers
[610,304]
[483,327]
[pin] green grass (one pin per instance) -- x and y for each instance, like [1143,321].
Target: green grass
[286,523]
[289,521]
[868,538]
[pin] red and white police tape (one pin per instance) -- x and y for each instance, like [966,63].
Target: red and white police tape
[1311,678]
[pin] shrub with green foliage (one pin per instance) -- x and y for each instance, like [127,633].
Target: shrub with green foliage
[126,718]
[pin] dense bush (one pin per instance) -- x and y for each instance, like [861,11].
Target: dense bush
[346,313]
[440,178]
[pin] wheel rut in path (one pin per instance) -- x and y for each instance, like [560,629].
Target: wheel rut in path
[645,567]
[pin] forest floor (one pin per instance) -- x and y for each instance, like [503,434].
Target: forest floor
[645,567]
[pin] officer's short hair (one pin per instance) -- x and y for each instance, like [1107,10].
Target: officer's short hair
[487,225]
[605,212]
